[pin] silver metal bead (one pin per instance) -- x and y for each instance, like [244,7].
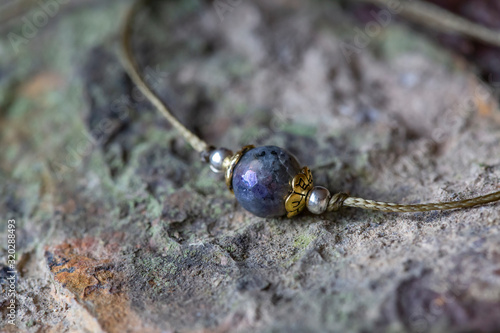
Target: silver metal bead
[217,157]
[317,199]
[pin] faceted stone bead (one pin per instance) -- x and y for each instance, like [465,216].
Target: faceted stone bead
[262,180]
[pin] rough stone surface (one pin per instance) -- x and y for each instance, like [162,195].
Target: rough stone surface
[120,227]
[262,178]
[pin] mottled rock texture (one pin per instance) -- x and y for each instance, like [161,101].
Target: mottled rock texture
[121,228]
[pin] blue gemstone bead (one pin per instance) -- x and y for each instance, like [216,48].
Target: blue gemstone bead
[262,180]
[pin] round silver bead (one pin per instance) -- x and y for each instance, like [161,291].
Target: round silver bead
[217,158]
[317,199]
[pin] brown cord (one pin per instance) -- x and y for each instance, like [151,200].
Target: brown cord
[337,201]
[440,19]
[341,199]
[130,64]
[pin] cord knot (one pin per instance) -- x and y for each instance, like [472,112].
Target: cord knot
[337,201]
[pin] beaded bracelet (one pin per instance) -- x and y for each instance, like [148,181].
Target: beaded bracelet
[268,181]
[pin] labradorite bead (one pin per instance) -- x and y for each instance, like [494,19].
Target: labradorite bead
[262,180]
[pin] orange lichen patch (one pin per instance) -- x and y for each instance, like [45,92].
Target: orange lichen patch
[40,84]
[483,98]
[439,301]
[484,106]
[95,283]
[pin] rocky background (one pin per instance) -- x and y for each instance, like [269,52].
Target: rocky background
[120,227]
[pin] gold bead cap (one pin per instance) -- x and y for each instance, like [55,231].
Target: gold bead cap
[302,183]
[230,163]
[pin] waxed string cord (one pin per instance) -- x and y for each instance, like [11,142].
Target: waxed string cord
[132,68]
[342,199]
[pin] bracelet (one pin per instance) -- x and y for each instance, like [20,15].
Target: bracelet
[268,181]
